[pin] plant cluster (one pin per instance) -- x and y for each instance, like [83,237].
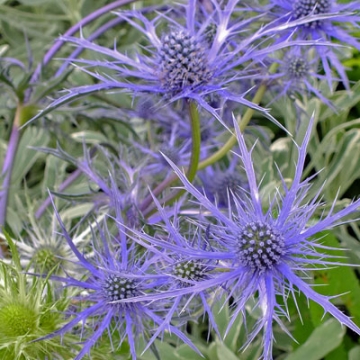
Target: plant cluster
[177,182]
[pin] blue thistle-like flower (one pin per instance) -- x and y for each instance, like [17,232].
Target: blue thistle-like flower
[321,20]
[115,272]
[188,61]
[298,73]
[180,271]
[171,147]
[303,8]
[100,167]
[183,62]
[222,185]
[266,246]
[44,251]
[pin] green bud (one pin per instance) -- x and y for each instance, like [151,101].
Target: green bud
[47,259]
[17,320]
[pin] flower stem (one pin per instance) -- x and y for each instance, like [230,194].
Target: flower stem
[195,149]
[196,141]
[8,166]
[193,166]
[214,157]
[232,140]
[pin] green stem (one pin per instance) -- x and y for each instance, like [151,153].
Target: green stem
[194,116]
[194,160]
[196,141]
[232,140]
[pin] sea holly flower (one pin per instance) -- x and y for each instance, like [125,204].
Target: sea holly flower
[178,269]
[169,144]
[220,185]
[267,246]
[184,62]
[100,166]
[116,271]
[298,73]
[42,249]
[321,20]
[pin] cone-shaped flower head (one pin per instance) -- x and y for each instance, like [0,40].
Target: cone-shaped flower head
[183,62]
[320,20]
[29,308]
[303,8]
[298,73]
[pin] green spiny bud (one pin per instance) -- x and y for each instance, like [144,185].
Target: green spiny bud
[17,320]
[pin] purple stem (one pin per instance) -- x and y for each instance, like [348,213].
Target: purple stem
[59,43]
[7,171]
[15,134]
[40,211]
[158,190]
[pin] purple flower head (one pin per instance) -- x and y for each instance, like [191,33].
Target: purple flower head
[221,185]
[200,53]
[267,245]
[181,270]
[101,166]
[171,146]
[298,74]
[115,272]
[322,20]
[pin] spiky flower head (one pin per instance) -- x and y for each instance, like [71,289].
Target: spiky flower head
[297,68]
[304,8]
[298,74]
[100,167]
[221,185]
[183,62]
[29,309]
[260,246]
[172,146]
[266,246]
[42,249]
[190,270]
[116,272]
[320,20]
[117,287]
[225,185]
[200,53]
[179,270]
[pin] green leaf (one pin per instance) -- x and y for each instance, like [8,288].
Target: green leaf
[89,137]
[338,280]
[339,353]
[184,352]
[232,338]
[26,157]
[223,352]
[54,174]
[14,253]
[221,314]
[33,2]
[165,351]
[354,353]
[76,211]
[323,340]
